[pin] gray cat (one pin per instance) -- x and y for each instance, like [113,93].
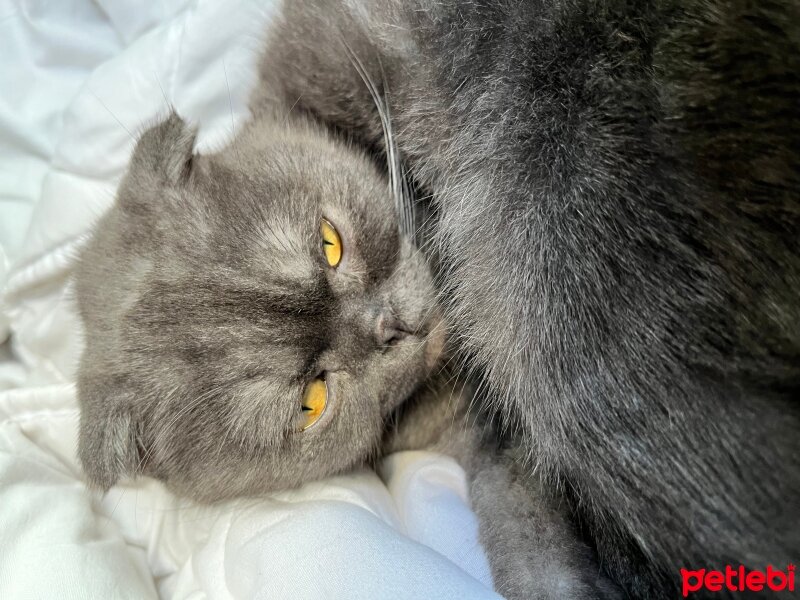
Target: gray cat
[615,207]
[254,320]
[615,190]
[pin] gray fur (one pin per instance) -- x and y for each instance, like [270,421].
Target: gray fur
[533,548]
[616,190]
[208,306]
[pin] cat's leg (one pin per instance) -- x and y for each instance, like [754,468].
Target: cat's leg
[530,542]
[533,549]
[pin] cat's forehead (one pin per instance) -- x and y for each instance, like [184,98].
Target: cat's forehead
[259,226]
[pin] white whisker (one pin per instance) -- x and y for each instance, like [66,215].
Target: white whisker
[398,183]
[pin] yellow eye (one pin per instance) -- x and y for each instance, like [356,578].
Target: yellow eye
[331,243]
[314,401]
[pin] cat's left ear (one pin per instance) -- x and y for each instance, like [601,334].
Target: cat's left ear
[166,150]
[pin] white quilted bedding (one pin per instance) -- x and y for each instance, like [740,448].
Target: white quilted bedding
[78,80]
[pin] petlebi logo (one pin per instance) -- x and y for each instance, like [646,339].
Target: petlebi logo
[737,579]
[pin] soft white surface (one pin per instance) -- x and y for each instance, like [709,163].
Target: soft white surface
[78,81]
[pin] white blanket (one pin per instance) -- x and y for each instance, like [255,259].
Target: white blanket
[79,79]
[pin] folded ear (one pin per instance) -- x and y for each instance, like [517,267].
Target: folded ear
[108,446]
[166,150]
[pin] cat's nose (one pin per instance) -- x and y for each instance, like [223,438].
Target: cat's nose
[389,329]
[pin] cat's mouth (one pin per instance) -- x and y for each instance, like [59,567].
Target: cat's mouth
[431,333]
[435,340]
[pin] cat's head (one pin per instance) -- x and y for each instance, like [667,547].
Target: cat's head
[252,316]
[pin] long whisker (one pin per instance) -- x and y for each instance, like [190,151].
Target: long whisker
[398,183]
[108,110]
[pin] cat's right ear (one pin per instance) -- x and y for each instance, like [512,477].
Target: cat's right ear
[165,151]
[109,444]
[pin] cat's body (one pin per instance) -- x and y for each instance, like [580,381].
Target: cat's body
[617,197]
